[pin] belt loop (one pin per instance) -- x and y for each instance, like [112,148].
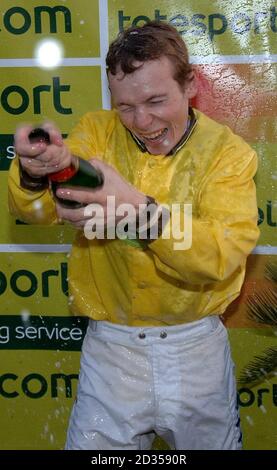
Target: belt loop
[94,325]
[215,321]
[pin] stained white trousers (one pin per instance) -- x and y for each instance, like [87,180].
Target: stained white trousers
[177,382]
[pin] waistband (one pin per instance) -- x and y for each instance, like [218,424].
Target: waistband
[147,335]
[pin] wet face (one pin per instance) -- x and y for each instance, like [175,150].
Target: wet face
[152,105]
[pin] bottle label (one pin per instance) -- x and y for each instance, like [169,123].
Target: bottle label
[63,175]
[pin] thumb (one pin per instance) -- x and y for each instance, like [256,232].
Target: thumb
[97,163]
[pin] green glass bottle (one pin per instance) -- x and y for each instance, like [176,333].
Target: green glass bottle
[79,174]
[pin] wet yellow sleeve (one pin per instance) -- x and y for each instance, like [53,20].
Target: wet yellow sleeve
[33,207]
[224,224]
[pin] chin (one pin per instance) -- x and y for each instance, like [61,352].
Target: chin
[155,151]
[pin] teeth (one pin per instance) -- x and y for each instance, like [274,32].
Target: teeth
[153,136]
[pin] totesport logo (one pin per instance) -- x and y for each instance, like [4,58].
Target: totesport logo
[214,24]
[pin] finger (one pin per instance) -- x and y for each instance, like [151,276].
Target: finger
[22,144]
[82,195]
[43,160]
[33,167]
[62,218]
[98,164]
[52,156]
[54,133]
[74,216]
[79,225]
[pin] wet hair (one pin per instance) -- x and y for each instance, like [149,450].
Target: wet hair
[151,41]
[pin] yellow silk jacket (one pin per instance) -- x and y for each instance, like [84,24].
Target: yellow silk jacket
[113,281]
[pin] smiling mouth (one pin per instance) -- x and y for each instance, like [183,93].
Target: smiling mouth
[154,136]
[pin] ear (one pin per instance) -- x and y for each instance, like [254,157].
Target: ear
[191,84]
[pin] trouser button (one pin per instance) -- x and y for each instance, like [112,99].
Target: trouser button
[163,334]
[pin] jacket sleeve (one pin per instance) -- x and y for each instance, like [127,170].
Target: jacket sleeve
[224,223]
[33,207]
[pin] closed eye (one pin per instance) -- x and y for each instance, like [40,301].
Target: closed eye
[156,101]
[125,109]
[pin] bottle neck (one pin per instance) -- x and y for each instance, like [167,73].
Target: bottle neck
[67,173]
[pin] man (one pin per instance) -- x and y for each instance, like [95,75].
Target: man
[156,357]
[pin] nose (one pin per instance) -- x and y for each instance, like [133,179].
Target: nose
[142,119]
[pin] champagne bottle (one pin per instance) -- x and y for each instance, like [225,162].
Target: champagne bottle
[79,174]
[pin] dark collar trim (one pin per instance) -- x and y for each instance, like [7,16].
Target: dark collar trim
[139,143]
[182,141]
[187,134]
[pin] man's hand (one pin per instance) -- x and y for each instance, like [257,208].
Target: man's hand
[114,185]
[39,158]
